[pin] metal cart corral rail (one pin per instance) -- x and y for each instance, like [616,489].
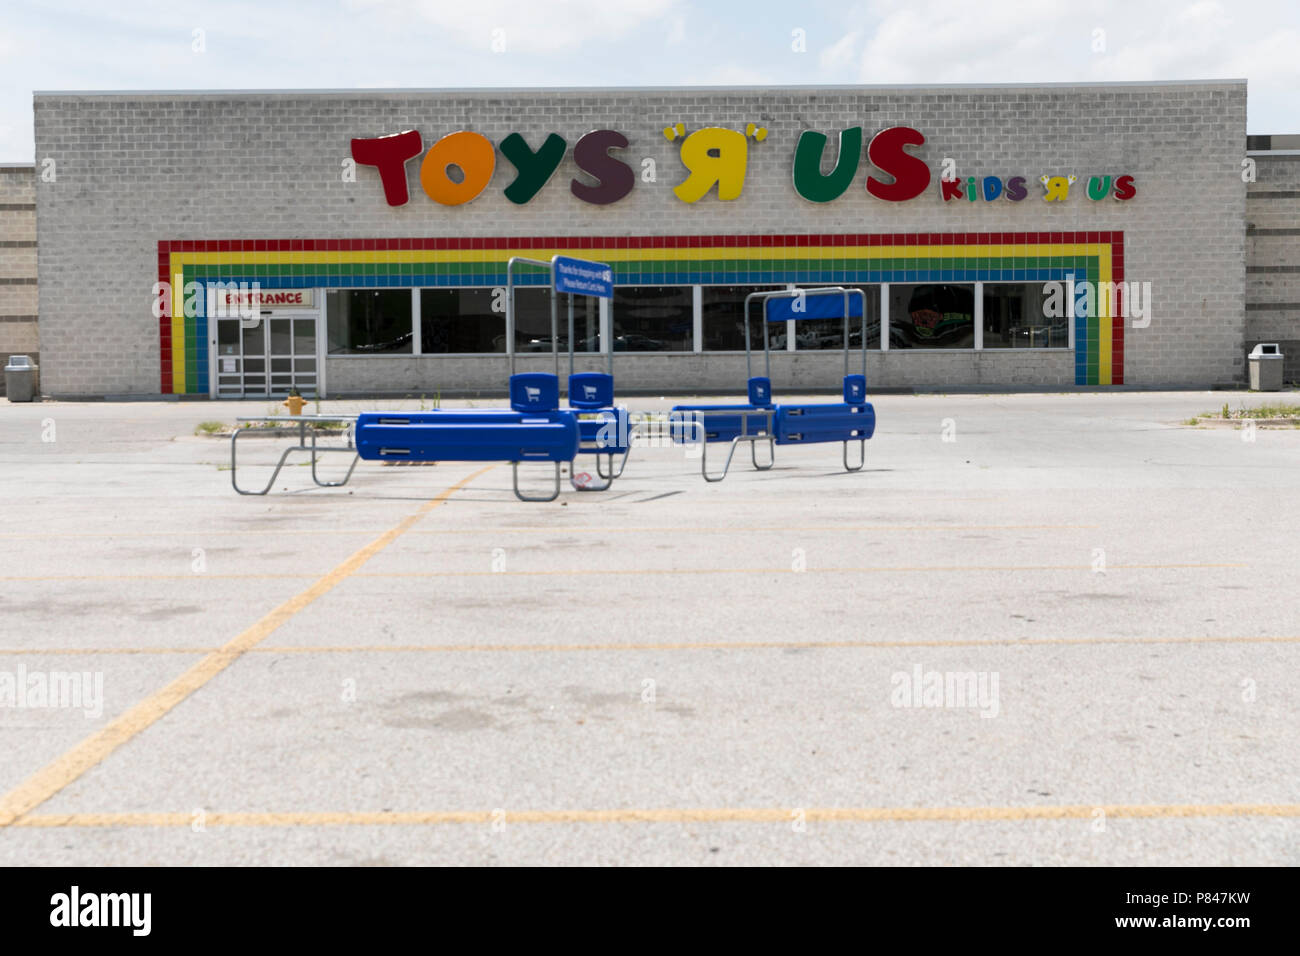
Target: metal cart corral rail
[302,421]
[673,428]
[854,419]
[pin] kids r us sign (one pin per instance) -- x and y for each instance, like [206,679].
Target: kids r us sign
[459,166]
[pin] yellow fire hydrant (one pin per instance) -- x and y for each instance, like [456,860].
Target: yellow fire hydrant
[295,403]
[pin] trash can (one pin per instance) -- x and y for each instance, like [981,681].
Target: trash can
[1265,367]
[20,378]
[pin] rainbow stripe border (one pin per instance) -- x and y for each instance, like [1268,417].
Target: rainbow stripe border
[645,260]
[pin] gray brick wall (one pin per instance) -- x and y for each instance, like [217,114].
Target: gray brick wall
[135,168]
[18,299]
[650,371]
[1273,256]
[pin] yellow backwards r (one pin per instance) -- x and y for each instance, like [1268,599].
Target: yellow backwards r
[713,155]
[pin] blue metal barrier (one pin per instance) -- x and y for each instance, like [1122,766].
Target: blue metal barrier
[604,428]
[532,429]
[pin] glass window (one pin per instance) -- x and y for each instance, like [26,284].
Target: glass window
[461,320]
[815,334]
[654,318]
[254,338]
[586,322]
[281,338]
[532,321]
[369,321]
[724,319]
[304,336]
[1016,317]
[932,316]
[227,336]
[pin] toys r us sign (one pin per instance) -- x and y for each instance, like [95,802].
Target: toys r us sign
[460,165]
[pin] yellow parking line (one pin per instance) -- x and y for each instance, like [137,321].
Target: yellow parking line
[744,529]
[539,529]
[635,572]
[198,576]
[645,646]
[48,781]
[668,815]
[883,569]
[765,645]
[196,533]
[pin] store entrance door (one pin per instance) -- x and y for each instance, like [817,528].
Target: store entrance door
[267,355]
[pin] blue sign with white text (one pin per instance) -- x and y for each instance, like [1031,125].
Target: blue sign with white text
[580,277]
[821,305]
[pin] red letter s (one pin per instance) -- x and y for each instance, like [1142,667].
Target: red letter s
[886,153]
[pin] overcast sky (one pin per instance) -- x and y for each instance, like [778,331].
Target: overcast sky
[181,45]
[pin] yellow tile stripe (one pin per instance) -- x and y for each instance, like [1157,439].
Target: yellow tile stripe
[48,781]
[782,815]
[1105,336]
[178,328]
[694,253]
[179,260]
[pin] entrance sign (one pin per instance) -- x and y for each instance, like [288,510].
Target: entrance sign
[255,298]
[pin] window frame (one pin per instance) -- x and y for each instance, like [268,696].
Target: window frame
[698,331]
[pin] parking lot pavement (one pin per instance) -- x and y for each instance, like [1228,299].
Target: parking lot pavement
[1034,629]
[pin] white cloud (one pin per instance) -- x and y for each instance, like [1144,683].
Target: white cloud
[676,31]
[728,74]
[841,54]
[941,41]
[267,44]
[556,26]
[951,41]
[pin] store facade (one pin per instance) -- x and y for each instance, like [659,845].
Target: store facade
[351,243]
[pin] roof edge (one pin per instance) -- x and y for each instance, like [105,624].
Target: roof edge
[500,90]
